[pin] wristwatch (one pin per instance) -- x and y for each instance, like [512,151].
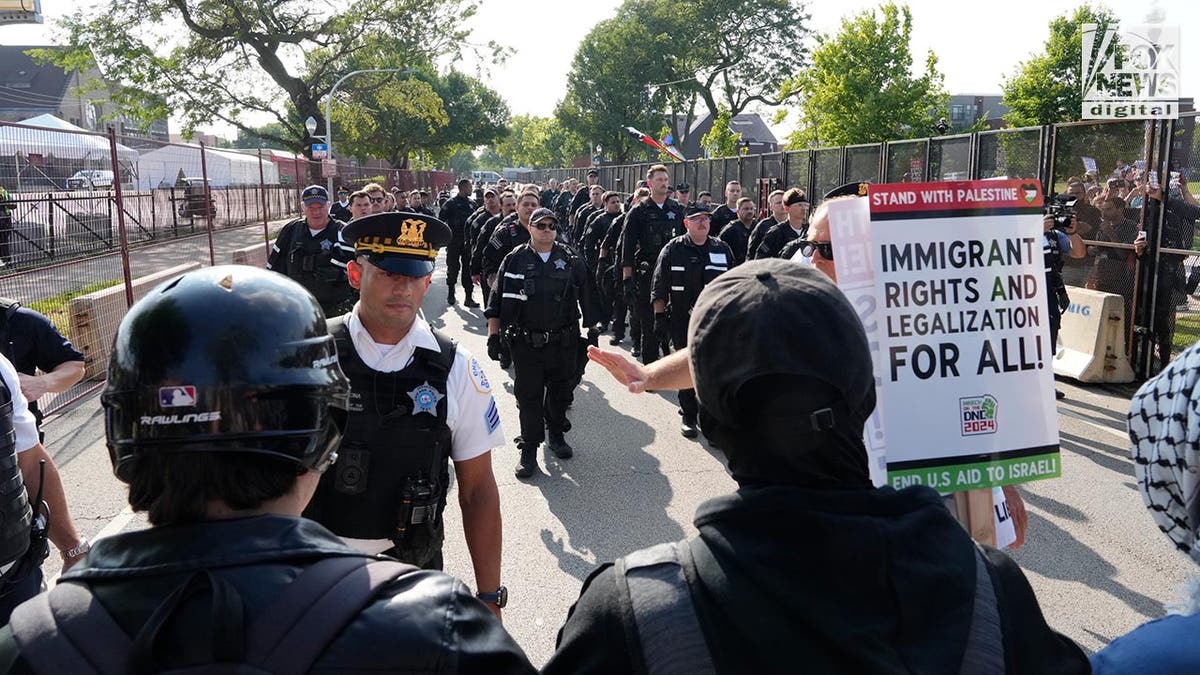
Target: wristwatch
[83,547]
[499,598]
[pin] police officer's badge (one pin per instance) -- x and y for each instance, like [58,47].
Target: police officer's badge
[560,264]
[425,399]
[670,215]
[326,244]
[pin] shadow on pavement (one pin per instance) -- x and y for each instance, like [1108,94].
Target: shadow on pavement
[1104,454]
[1053,553]
[590,493]
[1112,418]
[1053,506]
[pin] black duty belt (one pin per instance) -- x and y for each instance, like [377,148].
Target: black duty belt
[540,338]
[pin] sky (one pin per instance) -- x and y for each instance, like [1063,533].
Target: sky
[976,47]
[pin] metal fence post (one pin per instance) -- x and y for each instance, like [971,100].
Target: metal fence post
[209,206]
[116,169]
[262,191]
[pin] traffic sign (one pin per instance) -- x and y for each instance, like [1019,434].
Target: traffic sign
[329,168]
[320,150]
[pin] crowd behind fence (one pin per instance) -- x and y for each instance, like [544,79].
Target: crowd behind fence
[1162,316]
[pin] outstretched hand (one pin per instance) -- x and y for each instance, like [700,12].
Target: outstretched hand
[625,371]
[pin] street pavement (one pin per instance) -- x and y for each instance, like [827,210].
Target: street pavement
[1093,555]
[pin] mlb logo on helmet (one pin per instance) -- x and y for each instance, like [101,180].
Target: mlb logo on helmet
[177,397]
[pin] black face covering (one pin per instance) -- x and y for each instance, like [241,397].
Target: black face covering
[774,442]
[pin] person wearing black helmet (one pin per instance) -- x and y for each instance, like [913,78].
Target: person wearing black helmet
[418,403]
[541,293]
[806,566]
[224,404]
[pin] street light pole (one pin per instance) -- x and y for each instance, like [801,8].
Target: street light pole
[329,107]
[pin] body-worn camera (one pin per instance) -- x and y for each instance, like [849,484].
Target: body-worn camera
[1062,209]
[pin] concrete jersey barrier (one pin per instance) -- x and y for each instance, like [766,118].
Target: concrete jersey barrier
[95,317]
[255,256]
[1091,342]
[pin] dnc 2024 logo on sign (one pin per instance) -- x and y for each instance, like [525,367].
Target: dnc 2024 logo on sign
[1130,73]
[978,415]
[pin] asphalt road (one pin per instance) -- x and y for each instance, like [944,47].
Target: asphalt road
[1097,562]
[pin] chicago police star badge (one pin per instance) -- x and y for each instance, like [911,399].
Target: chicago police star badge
[425,399]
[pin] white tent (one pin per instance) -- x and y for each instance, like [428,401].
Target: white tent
[67,142]
[225,168]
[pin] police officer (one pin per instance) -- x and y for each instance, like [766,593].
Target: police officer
[306,251]
[508,235]
[455,213]
[683,195]
[340,210]
[727,213]
[222,438]
[583,194]
[31,343]
[487,224]
[540,295]
[608,271]
[650,224]
[777,214]
[26,482]
[594,205]
[685,266]
[795,227]
[737,233]
[417,403]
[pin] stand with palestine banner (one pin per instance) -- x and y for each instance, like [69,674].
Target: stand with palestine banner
[949,281]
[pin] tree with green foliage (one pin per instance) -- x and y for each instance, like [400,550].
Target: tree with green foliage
[222,60]
[538,142]
[258,139]
[721,140]
[861,89]
[1047,88]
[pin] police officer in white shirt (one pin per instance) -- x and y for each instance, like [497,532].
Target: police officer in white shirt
[418,401]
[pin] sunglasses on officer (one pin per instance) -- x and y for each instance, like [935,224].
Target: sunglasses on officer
[546,225]
[825,248]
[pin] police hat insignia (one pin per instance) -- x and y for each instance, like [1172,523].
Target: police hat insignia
[855,189]
[398,242]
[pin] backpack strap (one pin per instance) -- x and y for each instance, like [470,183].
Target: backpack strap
[668,627]
[291,634]
[985,639]
[68,631]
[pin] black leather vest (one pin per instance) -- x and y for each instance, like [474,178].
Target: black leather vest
[15,513]
[552,300]
[393,471]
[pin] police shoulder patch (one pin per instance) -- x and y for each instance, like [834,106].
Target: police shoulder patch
[478,377]
[491,417]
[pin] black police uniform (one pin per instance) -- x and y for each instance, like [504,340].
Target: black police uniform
[455,213]
[316,262]
[340,211]
[477,238]
[31,342]
[776,238]
[756,235]
[1056,290]
[683,270]
[737,236]
[722,216]
[608,275]
[507,236]
[539,305]
[562,206]
[392,474]
[648,227]
[581,219]
[582,196]
[547,198]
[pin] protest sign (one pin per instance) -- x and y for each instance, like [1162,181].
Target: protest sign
[949,280]
[1089,164]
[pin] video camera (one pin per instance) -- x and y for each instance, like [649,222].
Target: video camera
[1062,208]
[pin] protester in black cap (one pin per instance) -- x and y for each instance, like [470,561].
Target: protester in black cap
[340,210]
[685,266]
[228,573]
[455,213]
[737,233]
[418,402]
[795,228]
[541,292]
[649,225]
[807,566]
[777,213]
[306,250]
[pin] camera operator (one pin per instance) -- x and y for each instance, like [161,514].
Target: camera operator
[1059,239]
[1087,222]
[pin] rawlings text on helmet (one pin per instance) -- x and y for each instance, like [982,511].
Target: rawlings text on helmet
[189,418]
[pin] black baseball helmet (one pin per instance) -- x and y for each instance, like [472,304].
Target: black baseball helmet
[225,359]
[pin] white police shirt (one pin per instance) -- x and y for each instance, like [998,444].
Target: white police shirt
[24,424]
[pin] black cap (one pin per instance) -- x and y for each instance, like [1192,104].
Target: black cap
[698,209]
[314,193]
[855,189]
[398,242]
[683,187]
[782,319]
[593,172]
[543,213]
[489,191]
